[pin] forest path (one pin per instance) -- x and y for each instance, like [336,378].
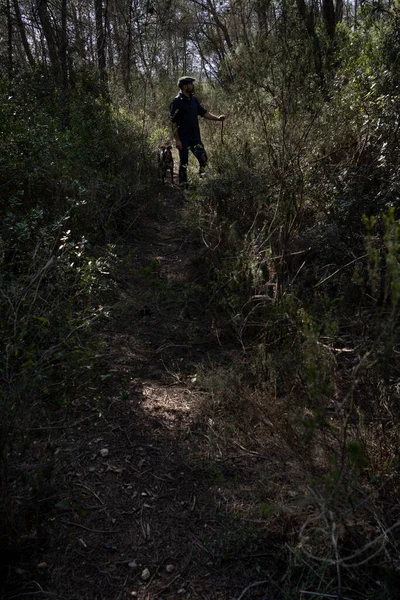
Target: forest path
[154,504]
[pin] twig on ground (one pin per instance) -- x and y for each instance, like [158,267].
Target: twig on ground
[40,591]
[345,560]
[88,528]
[200,545]
[26,594]
[250,452]
[252,585]
[173,375]
[321,595]
[91,491]
[61,426]
[132,445]
[169,345]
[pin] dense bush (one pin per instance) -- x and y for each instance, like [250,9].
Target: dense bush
[301,223]
[68,189]
[299,215]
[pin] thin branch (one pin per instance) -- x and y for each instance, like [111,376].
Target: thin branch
[320,595]
[345,561]
[340,269]
[91,491]
[252,585]
[88,528]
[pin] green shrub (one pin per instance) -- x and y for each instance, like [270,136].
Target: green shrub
[70,187]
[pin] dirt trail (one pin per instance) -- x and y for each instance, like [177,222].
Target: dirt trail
[151,506]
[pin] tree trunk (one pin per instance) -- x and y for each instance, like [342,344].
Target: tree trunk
[309,21]
[328,12]
[10,66]
[339,11]
[64,45]
[76,16]
[100,42]
[51,40]
[22,33]
[64,65]
[126,63]
[262,18]
[220,24]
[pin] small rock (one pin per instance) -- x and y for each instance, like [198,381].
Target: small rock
[104,452]
[169,568]
[145,574]
[181,592]
[42,565]
[134,594]
[132,564]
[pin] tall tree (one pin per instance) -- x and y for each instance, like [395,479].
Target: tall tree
[333,14]
[308,15]
[9,41]
[51,39]
[64,45]
[22,33]
[100,41]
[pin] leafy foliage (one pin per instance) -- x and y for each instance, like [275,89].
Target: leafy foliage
[299,216]
[67,193]
[301,221]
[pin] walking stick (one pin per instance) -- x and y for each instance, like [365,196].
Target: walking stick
[222,133]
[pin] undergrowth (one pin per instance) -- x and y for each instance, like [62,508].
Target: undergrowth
[301,230]
[70,192]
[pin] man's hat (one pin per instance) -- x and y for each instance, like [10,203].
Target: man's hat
[184,80]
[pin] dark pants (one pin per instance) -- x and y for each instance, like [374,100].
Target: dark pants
[196,146]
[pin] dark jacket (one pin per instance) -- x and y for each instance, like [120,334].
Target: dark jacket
[184,111]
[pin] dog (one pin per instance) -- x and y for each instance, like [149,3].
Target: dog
[166,162]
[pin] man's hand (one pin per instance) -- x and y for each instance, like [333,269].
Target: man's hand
[178,144]
[210,117]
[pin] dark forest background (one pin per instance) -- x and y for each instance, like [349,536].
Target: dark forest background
[299,217]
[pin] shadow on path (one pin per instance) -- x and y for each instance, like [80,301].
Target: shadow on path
[150,506]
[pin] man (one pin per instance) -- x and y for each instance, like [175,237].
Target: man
[185,110]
